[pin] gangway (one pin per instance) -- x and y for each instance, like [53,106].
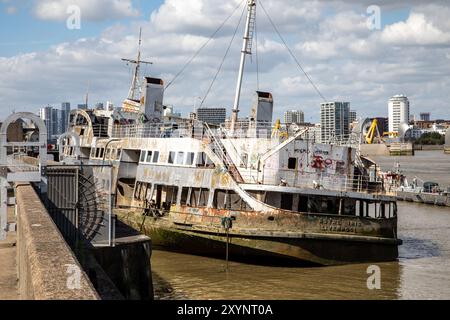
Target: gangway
[13,169]
[78,198]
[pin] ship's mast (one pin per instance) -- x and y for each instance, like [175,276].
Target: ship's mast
[246,49]
[135,89]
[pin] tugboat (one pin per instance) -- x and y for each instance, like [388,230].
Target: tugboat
[258,189]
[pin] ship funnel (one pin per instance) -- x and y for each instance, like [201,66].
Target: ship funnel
[261,115]
[152,100]
[262,111]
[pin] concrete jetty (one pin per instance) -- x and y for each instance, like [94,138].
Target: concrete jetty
[45,267]
[45,251]
[8,275]
[36,263]
[447,142]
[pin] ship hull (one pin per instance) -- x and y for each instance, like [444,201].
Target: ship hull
[320,250]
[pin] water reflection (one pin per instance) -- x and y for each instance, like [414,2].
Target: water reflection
[196,277]
[422,271]
[413,248]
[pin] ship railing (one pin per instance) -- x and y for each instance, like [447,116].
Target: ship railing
[243,129]
[267,130]
[159,130]
[249,129]
[331,182]
[19,162]
[348,140]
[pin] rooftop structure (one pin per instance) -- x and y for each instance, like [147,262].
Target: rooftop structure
[399,112]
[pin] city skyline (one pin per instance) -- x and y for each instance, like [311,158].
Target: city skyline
[199,150]
[367,72]
[108,104]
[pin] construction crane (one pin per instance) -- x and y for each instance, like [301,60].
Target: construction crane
[277,132]
[390,134]
[373,132]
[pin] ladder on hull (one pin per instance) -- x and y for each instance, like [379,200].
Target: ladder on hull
[220,151]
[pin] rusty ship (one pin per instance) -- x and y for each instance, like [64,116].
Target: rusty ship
[254,185]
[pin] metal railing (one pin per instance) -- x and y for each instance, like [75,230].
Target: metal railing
[249,129]
[18,162]
[338,183]
[197,130]
[158,130]
[349,140]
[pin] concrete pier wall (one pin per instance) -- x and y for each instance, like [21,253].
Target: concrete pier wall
[423,147]
[128,266]
[374,150]
[447,142]
[401,149]
[47,267]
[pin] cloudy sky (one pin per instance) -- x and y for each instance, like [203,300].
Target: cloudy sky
[349,53]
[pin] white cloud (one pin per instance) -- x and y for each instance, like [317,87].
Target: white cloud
[11,10]
[345,59]
[202,17]
[322,50]
[417,30]
[96,10]
[192,16]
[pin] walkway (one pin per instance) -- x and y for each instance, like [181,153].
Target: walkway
[8,265]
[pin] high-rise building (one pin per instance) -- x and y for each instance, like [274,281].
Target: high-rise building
[55,120]
[46,114]
[398,112]
[425,116]
[212,115]
[65,114]
[294,116]
[109,106]
[334,120]
[352,117]
[56,123]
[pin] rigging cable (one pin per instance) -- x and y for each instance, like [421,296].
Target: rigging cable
[223,59]
[291,53]
[256,55]
[204,45]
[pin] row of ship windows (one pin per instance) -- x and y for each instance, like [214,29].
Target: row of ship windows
[109,154]
[149,156]
[199,159]
[162,197]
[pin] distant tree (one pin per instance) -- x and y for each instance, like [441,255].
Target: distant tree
[431,138]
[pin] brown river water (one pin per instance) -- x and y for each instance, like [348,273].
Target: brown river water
[421,272]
